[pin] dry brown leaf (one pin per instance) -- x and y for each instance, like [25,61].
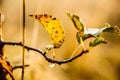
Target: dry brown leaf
[6,66]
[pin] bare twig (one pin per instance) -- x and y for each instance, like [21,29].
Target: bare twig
[23,55]
[17,67]
[44,53]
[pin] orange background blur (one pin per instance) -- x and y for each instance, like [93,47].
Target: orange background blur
[101,63]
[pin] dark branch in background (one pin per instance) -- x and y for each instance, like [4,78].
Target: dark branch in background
[17,67]
[44,53]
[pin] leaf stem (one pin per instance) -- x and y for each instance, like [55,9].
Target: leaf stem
[80,45]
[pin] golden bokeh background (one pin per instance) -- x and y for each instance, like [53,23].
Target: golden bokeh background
[101,63]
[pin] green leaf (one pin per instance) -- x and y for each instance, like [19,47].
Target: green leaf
[77,22]
[86,36]
[108,28]
[114,29]
[97,41]
[78,37]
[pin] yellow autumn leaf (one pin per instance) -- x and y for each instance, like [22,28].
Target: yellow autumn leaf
[53,27]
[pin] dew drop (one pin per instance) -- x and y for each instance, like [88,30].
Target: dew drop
[52,65]
[49,47]
[15,45]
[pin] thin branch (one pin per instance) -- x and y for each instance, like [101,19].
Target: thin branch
[44,53]
[17,67]
[23,33]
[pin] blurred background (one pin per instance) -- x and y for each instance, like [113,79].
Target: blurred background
[101,63]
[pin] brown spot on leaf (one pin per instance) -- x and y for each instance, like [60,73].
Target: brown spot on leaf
[53,27]
[54,18]
[56,31]
[50,16]
[45,15]
[47,21]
